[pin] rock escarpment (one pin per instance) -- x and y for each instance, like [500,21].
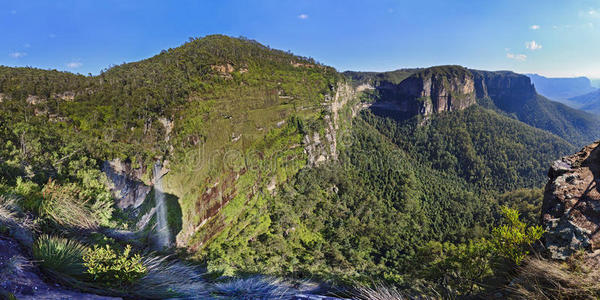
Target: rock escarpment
[437,89]
[571,207]
[450,88]
[324,148]
[127,188]
[506,89]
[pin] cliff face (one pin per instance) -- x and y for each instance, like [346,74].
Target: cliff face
[571,207]
[343,102]
[507,90]
[451,88]
[436,90]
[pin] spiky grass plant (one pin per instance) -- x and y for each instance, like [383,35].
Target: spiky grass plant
[167,278]
[9,209]
[380,293]
[13,222]
[255,287]
[15,265]
[68,208]
[539,278]
[60,255]
[383,292]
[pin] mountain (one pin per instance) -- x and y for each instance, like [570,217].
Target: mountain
[561,89]
[589,102]
[251,160]
[450,88]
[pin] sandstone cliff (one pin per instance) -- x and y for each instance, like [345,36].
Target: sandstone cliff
[506,89]
[450,88]
[571,207]
[438,89]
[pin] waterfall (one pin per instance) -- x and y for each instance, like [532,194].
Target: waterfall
[163,237]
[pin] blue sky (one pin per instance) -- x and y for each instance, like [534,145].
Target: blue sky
[553,38]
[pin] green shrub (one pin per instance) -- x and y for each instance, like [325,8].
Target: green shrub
[514,239]
[60,255]
[110,268]
[30,192]
[462,268]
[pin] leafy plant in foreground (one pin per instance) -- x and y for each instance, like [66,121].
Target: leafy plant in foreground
[513,239]
[113,269]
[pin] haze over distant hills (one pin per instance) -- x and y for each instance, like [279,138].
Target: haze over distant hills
[561,89]
[589,102]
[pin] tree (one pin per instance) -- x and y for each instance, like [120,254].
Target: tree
[514,239]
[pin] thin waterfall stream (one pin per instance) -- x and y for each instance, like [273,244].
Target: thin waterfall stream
[163,237]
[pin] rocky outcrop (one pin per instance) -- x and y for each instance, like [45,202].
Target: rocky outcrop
[65,96]
[127,188]
[450,88]
[508,90]
[437,89]
[571,207]
[324,148]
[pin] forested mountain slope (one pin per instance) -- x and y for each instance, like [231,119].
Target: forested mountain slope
[448,88]
[396,187]
[589,102]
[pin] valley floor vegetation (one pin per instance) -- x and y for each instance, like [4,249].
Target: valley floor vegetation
[340,223]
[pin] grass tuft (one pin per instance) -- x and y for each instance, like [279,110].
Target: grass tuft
[60,255]
[544,279]
[15,265]
[9,210]
[13,223]
[380,293]
[383,292]
[169,278]
[64,206]
[253,288]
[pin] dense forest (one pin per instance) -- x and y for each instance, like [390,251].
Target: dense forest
[443,182]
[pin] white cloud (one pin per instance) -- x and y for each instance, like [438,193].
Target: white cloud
[74,64]
[17,54]
[303,16]
[534,27]
[533,46]
[590,13]
[519,57]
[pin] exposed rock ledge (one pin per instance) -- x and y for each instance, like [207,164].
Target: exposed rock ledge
[127,188]
[20,277]
[571,207]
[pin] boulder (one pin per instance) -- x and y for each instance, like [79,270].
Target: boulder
[571,206]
